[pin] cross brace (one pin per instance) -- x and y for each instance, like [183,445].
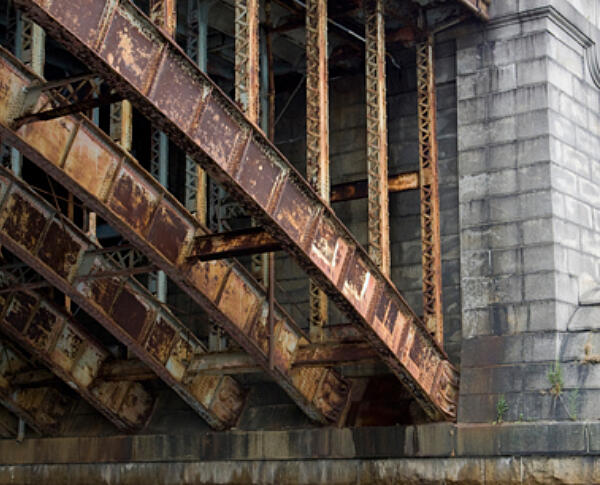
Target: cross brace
[233,244]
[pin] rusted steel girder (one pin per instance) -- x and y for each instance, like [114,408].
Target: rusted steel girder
[81,157]
[479,7]
[164,14]
[61,253]
[377,156]
[73,355]
[359,189]
[247,58]
[42,408]
[317,132]
[233,244]
[161,81]
[431,244]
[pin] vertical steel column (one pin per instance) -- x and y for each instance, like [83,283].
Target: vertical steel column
[247,57]
[247,95]
[120,123]
[30,47]
[164,14]
[430,201]
[197,48]
[378,222]
[317,131]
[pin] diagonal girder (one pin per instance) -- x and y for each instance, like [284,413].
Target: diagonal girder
[72,354]
[61,253]
[42,408]
[165,85]
[122,192]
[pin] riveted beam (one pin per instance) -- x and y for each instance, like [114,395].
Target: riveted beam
[378,218]
[334,354]
[65,346]
[162,81]
[44,409]
[127,370]
[317,133]
[431,244]
[233,244]
[129,198]
[359,189]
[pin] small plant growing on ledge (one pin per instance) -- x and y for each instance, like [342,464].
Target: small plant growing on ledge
[572,404]
[555,378]
[501,409]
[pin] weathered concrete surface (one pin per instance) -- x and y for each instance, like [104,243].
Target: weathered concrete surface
[464,471]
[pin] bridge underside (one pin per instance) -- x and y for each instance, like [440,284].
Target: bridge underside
[164,264]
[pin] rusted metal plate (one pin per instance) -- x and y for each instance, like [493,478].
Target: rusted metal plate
[60,249]
[217,133]
[84,16]
[160,339]
[132,199]
[66,348]
[132,50]
[169,232]
[134,215]
[24,220]
[172,77]
[328,250]
[50,137]
[294,212]
[233,244]
[359,285]
[259,175]
[42,408]
[89,163]
[129,312]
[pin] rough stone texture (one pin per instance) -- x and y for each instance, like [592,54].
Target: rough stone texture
[529,150]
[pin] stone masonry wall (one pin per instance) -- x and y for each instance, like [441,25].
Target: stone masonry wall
[528,166]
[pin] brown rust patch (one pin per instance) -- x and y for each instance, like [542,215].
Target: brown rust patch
[40,329]
[160,339]
[50,138]
[137,405]
[81,17]
[228,401]
[217,133]
[176,92]
[258,175]
[181,355]
[359,286]
[286,344]
[169,231]
[24,221]
[130,51]
[131,312]
[67,348]
[306,380]
[295,212]
[60,249]
[20,310]
[208,277]
[133,200]
[203,388]
[88,365]
[238,301]
[91,163]
[332,395]
[328,250]
[11,86]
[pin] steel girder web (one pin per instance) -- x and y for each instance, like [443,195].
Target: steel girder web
[139,60]
[112,183]
[66,347]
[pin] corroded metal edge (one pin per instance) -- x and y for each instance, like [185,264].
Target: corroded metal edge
[80,156]
[161,80]
[73,355]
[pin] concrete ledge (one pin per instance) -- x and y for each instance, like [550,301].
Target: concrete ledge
[498,470]
[426,441]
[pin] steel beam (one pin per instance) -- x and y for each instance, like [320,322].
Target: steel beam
[317,133]
[65,346]
[430,199]
[378,219]
[247,58]
[127,370]
[42,408]
[123,193]
[334,354]
[196,183]
[359,189]
[60,253]
[478,7]
[233,244]
[166,86]
[164,14]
